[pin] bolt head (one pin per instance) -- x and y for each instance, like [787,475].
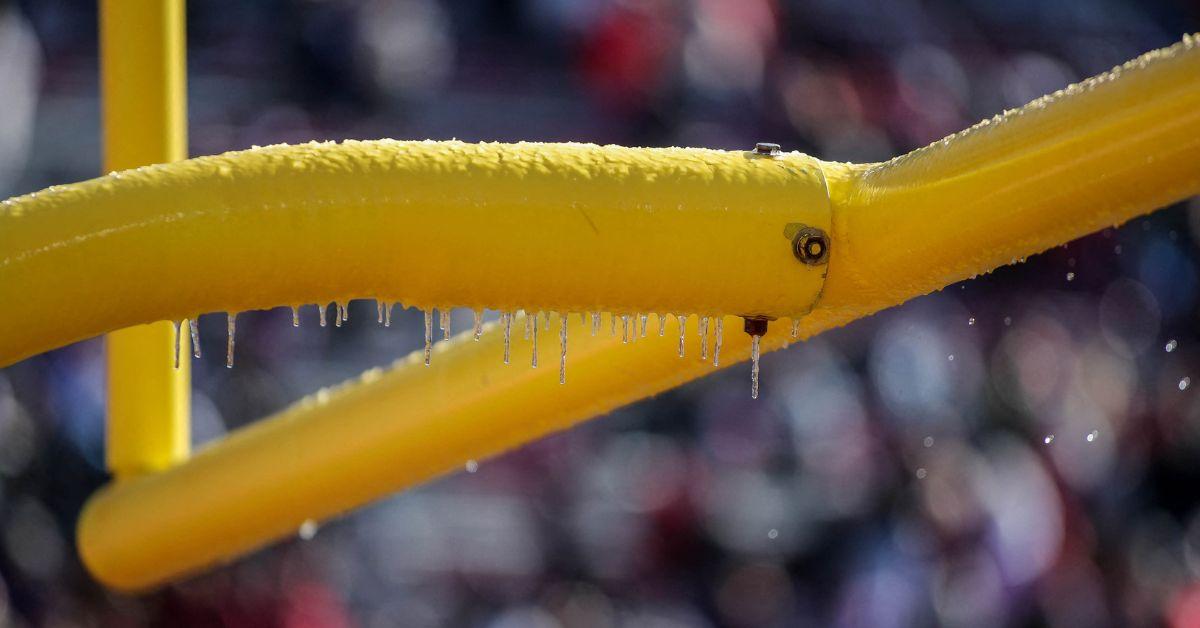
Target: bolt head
[811,246]
[766,148]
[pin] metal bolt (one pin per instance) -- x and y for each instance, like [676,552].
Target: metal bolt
[811,246]
[756,326]
[766,148]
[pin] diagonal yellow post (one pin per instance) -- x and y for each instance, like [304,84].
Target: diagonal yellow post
[145,122]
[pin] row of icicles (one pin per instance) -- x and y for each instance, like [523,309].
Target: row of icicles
[633,326]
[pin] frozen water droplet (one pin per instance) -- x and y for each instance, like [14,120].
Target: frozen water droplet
[562,350]
[773,534]
[533,336]
[194,328]
[428,335]
[472,466]
[444,323]
[1048,439]
[922,473]
[1092,436]
[1070,276]
[971,321]
[1184,383]
[478,329]
[595,323]
[795,329]
[625,328]
[703,337]
[307,530]
[321,308]
[230,328]
[507,320]
[718,340]
[1007,321]
[662,324]
[755,342]
[178,340]
[682,331]
[645,319]
[1171,344]
[950,357]
[928,442]
[295,316]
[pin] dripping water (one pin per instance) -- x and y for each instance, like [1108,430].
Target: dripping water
[230,328]
[562,349]
[194,328]
[428,334]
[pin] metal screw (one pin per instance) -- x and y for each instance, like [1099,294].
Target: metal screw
[767,148]
[811,246]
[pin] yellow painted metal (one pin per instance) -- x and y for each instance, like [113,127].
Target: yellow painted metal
[1097,154]
[145,122]
[562,227]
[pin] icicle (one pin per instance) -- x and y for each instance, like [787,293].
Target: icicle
[230,327]
[178,333]
[533,336]
[795,329]
[595,323]
[625,328]
[378,311]
[194,327]
[387,314]
[507,317]
[478,324]
[645,319]
[546,314]
[562,350]
[295,316]
[339,314]
[528,324]
[444,323]
[718,340]
[321,307]
[682,331]
[612,323]
[428,334]
[703,337]
[344,309]
[662,324]
[754,355]
[633,328]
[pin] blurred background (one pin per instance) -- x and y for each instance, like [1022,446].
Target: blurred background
[1018,450]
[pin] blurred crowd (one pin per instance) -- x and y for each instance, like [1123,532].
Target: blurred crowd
[1020,449]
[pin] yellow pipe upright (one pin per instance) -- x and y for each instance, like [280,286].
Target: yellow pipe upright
[143,73]
[1097,154]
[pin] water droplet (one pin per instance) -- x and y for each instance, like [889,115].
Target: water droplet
[428,334]
[321,308]
[533,336]
[662,324]
[507,320]
[950,357]
[718,340]
[1171,344]
[682,331]
[472,466]
[295,316]
[444,323]
[645,319]
[624,328]
[1092,436]
[178,341]
[922,473]
[795,329]
[703,331]
[928,442]
[562,349]
[971,321]
[230,327]
[1048,439]
[478,329]
[1184,383]
[1070,276]
[1007,321]
[755,341]
[308,530]
[194,327]
[595,323]
[773,534]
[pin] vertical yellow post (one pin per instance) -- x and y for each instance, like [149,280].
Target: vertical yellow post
[142,67]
